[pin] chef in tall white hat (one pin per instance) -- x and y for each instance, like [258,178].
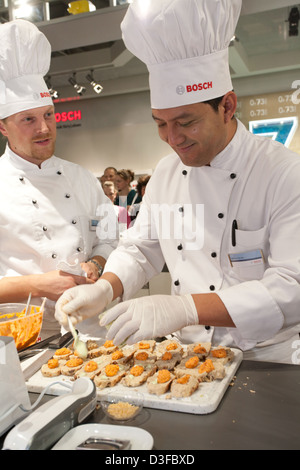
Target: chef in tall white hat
[233,263]
[47,205]
[25,60]
[185,47]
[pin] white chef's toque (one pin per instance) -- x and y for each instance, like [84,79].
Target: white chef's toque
[25,55]
[184,44]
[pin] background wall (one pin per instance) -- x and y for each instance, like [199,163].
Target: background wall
[118,130]
[113,131]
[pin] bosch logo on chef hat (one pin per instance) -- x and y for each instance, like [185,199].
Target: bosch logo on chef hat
[184,45]
[25,55]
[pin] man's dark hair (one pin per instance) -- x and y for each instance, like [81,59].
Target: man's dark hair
[214,103]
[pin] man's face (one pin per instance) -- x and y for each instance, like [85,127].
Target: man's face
[109,175]
[31,134]
[196,132]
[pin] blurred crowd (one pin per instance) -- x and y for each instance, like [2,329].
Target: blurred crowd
[125,193]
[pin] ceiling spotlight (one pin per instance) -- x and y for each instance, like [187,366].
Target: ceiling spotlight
[294,21]
[96,86]
[79,88]
[53,93]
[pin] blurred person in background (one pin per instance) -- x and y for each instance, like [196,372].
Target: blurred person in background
[134,208]
[125,193]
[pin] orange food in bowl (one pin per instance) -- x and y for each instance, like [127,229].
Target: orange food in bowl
[108,344]
[24,330]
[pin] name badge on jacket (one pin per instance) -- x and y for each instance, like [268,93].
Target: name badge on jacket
[248,258]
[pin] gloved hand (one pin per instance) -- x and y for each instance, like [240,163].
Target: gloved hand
[83,302]
[149,317]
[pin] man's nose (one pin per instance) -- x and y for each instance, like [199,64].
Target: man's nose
[175,135]
[43,127]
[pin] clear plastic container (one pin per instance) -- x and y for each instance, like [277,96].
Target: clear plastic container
[13,323]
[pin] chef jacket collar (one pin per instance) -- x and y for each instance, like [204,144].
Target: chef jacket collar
[228,159]
[22,164]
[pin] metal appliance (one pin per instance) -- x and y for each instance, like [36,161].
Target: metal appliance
[13,390]
[45,426]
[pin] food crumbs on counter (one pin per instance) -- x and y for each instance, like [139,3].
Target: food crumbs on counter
[232,381]
[252,391]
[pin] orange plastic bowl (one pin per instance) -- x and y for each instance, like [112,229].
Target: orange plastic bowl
[24,330]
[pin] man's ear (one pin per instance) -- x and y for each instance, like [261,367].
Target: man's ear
[3,128]
[229,103]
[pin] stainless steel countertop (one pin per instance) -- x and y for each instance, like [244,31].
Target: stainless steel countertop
[261,410]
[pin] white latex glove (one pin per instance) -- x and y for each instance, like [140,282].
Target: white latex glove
[149,317]
[82,302]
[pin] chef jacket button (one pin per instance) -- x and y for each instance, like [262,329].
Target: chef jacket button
[184,172]
[45,228]
[207,327]
[220,215]
[34,201]
[213,254]
[181,209]
[21,178]
[58,172]
[79,249]
[212,287]
[176,283]
[179,247]
[74,221]
[54,255]
[67,195]
[233,176]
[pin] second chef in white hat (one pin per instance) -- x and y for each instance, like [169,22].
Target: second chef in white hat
[47,205]
[235,278]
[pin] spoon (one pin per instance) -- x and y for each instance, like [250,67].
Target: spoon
[27,305]
[43,305]
[79,345]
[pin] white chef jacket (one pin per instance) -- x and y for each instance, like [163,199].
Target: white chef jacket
[48,218]
[253,181]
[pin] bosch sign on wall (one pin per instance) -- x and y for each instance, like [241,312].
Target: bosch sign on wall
[67,119]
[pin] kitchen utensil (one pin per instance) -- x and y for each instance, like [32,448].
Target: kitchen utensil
[47,354]
[40,344]
[45,426]
[27,305]
[43,305]
[138,437]
[95,443]
[79,345]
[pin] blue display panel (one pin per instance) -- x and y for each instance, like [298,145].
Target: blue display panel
[279,129]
